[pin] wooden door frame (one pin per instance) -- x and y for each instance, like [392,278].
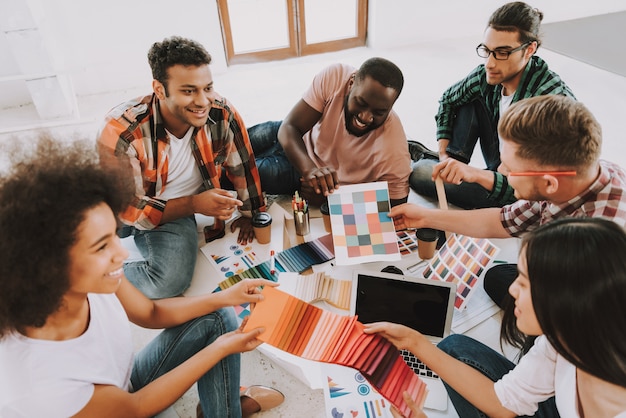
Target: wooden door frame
[297,36]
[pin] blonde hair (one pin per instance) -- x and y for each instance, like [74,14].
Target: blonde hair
[553,130]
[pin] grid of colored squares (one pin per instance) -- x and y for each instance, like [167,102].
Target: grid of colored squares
[462,261]
[321,287]
[295,259]
[307,331]
[362,229]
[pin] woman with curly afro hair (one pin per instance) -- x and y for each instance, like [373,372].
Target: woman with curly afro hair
[65,304]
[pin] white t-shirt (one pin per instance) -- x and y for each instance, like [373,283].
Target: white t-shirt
[183,175]
[41,378]
[505,102]
[541,374]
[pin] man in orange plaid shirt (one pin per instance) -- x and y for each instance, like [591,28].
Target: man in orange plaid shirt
[179,143]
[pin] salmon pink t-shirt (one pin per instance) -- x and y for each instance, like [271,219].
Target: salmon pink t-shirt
[380,155]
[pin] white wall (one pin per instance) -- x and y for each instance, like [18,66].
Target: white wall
[103,45]
[407,22]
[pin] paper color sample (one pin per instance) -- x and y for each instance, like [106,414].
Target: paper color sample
[407,242]
[463,261]
[295,259]
[321,287]
[299,328]
[362,230]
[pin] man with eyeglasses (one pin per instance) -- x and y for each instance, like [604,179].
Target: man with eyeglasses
[550,147]
[471,108]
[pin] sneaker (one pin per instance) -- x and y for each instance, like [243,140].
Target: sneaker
[419,151]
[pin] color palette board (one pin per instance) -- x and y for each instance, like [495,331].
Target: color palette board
[463,261]
[304,330]
[348,394]
[362,230]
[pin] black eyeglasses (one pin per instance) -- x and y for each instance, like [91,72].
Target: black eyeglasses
[499,54]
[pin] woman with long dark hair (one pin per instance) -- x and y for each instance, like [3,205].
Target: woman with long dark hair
[570,292]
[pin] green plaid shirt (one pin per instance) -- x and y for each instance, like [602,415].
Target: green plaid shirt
[537,80]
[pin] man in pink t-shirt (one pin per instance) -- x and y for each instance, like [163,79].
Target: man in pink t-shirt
[342,131]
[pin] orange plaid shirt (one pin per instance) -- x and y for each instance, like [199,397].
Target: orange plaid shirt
[134,136]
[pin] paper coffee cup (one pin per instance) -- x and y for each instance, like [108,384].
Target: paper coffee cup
[261,223]
[426,242]
[326,216]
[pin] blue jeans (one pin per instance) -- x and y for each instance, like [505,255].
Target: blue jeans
[218,388]
[169,251]
[464,195]
[277,174]
[488,362]
[471,122]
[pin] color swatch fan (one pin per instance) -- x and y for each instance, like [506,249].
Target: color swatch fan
[304,330]
[362,229]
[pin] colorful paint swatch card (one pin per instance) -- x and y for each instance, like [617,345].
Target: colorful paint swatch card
[317,287]
[463,261]
[362,230]
[307,331]
[407,242]
[348,394]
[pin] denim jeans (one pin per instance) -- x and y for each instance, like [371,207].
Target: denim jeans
[464,195]
[218,388]
[277,174]
[488,362]
[169,251]
[471,122]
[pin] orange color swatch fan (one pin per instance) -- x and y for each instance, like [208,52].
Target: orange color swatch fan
[310,332]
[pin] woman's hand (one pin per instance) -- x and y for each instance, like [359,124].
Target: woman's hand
[245,291]
[404,338]
[416,411]
[238,341]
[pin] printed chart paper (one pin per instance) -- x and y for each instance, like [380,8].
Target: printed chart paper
[348,394]
[362,230]
[463,261]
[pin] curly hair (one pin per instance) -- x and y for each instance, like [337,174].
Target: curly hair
[518,17]
[174,51]
[43,199]
[384,71]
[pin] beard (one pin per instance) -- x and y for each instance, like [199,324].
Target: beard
[532,195]
[350,117]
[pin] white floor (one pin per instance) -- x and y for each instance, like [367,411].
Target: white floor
[267,92]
